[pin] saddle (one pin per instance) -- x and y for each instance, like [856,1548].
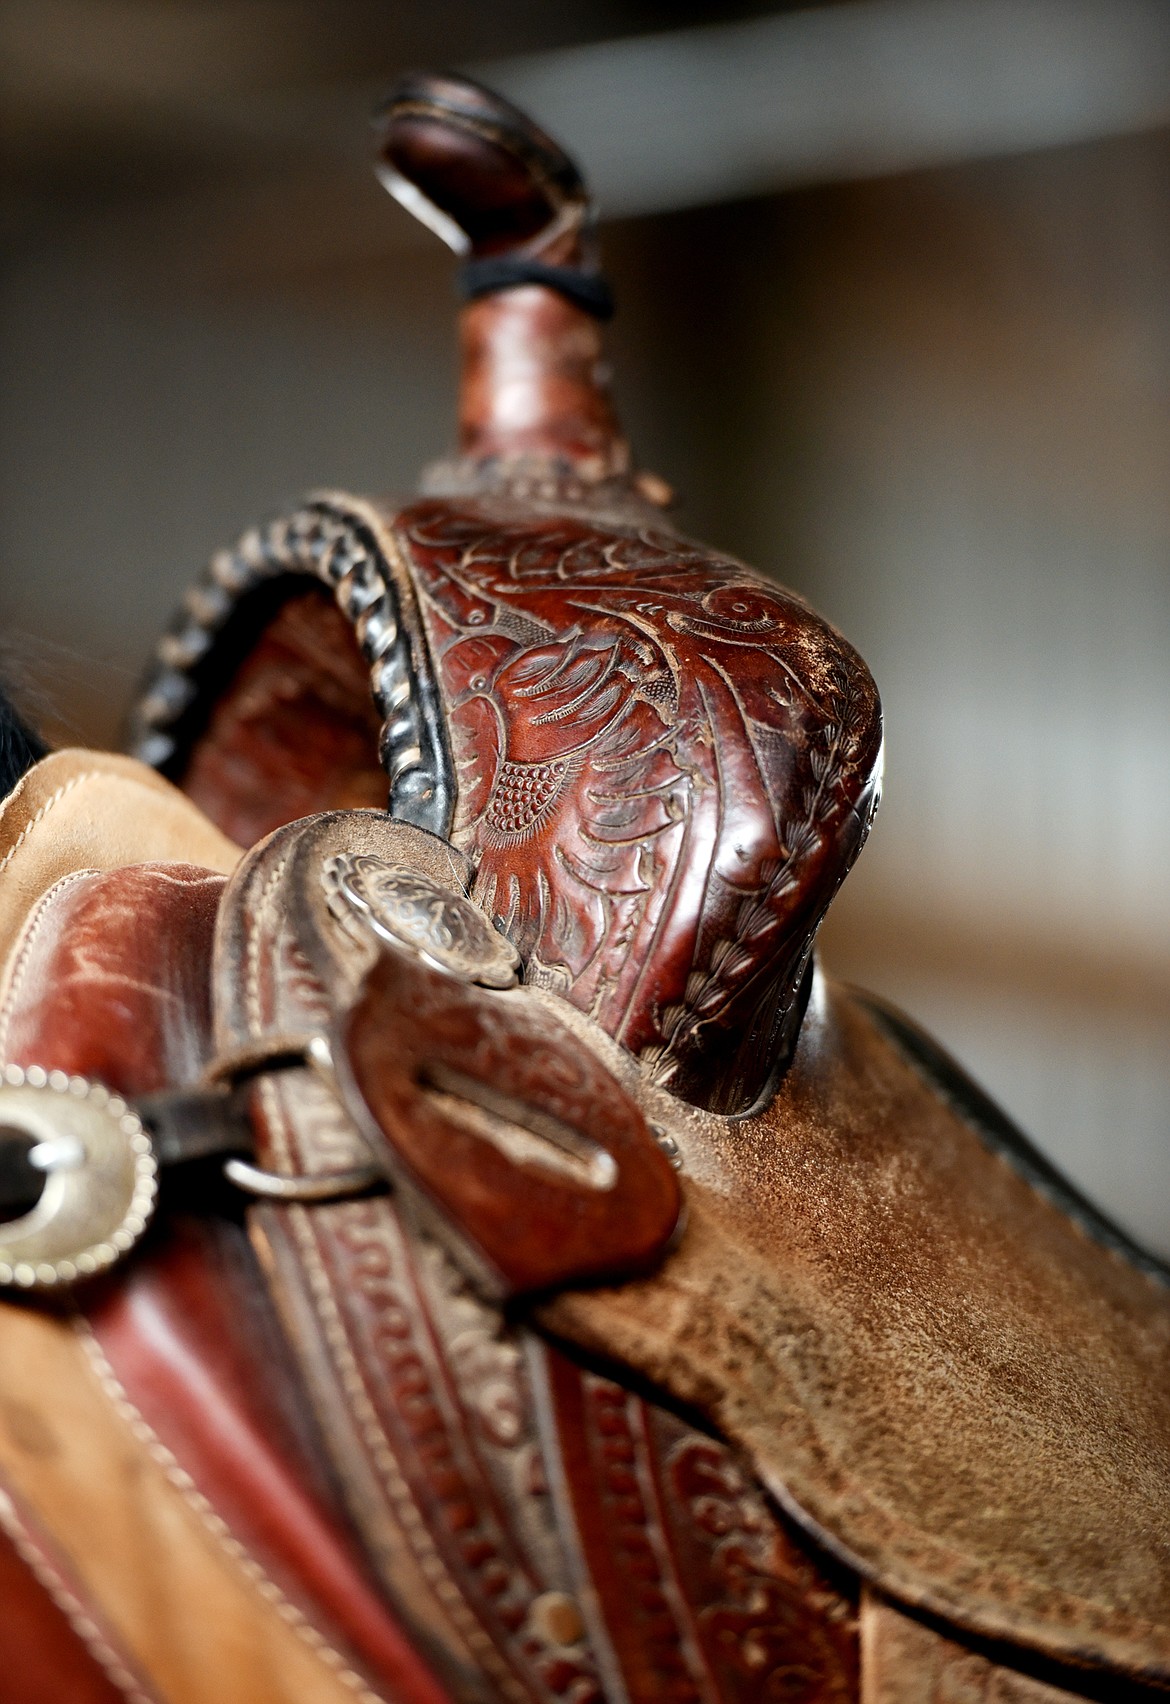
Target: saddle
[458,1243]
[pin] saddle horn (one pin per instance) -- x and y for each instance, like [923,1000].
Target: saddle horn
[535,413]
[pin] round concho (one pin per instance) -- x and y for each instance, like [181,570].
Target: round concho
[99,1171]
[409,909]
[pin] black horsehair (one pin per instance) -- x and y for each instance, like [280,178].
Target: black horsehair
[20,745]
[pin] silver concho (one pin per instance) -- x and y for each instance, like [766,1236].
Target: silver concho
[100,1178]
[407,908]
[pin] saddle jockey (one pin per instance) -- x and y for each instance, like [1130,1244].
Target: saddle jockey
[456,1243]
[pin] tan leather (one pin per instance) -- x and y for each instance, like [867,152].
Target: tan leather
[197,1616]
[906,1662]
[55,1647]
[928,1362]
[78,810]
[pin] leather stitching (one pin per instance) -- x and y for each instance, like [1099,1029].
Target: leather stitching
[71,1607]
[53,800]
[394,1485]
[213,1522]
[32,929]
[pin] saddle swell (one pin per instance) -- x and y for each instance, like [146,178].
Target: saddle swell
[620,1312]
[661,764]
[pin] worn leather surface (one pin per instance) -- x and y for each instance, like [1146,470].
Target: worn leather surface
[470,1452]
[454,1079]
[185,1332]
[110,977]
[666,764]
[927,1362]
[422,1397]
[924,1357]
[194,1613]
[78,810]
[907,1662]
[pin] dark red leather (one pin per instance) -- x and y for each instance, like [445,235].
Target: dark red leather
[186,1330]
[43,1658]
[666,765]
[293,730]
[113,980]
[117,982]
[440,1065]
[704,1592]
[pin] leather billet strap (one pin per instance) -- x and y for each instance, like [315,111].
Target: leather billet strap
[513,1143]
[422,1398]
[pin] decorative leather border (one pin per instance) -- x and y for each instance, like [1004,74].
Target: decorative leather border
[339,542]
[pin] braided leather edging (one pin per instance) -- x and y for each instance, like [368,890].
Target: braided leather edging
[336,546]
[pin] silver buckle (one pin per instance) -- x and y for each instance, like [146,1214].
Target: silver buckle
[101,1178]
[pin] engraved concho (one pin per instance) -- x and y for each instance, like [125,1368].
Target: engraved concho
[100,1178]
[406,907]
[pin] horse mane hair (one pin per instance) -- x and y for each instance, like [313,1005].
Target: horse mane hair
[20,745]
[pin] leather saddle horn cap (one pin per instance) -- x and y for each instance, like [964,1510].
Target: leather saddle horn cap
[660,763]
[479,161]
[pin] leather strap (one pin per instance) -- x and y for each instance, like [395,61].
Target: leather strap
[491,1478]
[194,1612]
[56,1645]
[421,1394]
[692,1587]
[112,980]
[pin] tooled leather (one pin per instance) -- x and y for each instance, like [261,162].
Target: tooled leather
[428,1402]
[111,979]
[703,1593]
[440,1464]
[665,765]
[921,1354]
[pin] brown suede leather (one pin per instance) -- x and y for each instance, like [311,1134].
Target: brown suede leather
[925,1358]
[79,810]
[906,1662]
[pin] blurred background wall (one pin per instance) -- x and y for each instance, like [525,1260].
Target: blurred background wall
[894,279]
